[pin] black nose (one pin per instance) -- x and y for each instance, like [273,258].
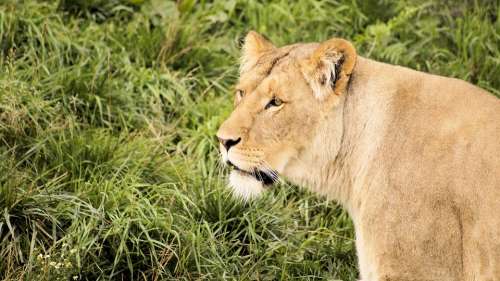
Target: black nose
[228,143]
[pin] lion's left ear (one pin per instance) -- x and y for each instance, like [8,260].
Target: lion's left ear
[254,47]
[329,68]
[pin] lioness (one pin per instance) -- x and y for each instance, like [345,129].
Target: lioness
[413,157]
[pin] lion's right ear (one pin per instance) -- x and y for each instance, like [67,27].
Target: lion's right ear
[329,68]
[254,46]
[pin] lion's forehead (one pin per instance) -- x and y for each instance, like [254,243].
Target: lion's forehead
[279,63]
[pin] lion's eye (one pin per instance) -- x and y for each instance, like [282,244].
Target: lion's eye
[240,93]
[274,102]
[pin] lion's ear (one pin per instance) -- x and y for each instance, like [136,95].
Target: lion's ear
[329,68]
[254,46]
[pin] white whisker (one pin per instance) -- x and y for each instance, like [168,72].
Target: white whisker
[271,172]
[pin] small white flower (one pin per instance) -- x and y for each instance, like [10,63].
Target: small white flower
[53,263]
[75,277]
[72,251]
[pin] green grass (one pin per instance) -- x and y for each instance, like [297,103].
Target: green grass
[108,109]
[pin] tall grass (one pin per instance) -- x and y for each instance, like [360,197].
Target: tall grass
[108,165]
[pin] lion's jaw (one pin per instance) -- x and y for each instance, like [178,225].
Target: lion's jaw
[245,186]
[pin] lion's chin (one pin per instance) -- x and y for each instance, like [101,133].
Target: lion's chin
[244,185]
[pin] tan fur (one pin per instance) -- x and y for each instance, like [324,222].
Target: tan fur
[413,157]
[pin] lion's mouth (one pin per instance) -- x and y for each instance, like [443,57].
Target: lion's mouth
[267,178]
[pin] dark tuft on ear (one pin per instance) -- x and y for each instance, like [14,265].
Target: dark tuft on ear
[336,72]
[328,69]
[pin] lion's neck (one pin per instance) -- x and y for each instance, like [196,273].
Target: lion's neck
[349,139]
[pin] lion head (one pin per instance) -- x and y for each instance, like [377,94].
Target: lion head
[282,97]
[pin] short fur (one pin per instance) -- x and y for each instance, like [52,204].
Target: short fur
[413,157]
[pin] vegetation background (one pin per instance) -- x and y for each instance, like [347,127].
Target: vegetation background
[108,109]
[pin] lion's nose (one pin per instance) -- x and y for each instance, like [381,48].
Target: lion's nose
[228,143]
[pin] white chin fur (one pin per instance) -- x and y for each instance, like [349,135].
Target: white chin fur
[245,186]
